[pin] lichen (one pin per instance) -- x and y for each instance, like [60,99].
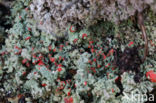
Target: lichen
[54,16]
[80,67]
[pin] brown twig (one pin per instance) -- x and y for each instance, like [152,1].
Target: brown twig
[143,29]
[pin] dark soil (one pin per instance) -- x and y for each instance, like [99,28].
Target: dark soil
[128,60]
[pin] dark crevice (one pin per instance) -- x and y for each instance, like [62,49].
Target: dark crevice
[128,60]
[4,24]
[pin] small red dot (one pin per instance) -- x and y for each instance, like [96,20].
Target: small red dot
[68,93]
[44,84]
[59,69]
[85,83]
[84,35]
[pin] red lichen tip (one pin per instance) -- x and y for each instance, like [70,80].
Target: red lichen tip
[24,61]
[68,93]
[20,17]
[90,42]
[24,73]
[94,59]
[59,69]
[85,83]
[75,40]
[26,9]
[40,63]
[151,75]
[84,35]
[92,50]
[27,38]
[59,65]
[130,43]
[29,29]
[52,59]
[54,50]
[44,84]
[112,90]
[71,29]
[68,100]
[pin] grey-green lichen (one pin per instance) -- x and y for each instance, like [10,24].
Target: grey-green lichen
[78,68]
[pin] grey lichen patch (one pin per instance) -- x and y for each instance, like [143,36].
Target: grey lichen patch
[55,15]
